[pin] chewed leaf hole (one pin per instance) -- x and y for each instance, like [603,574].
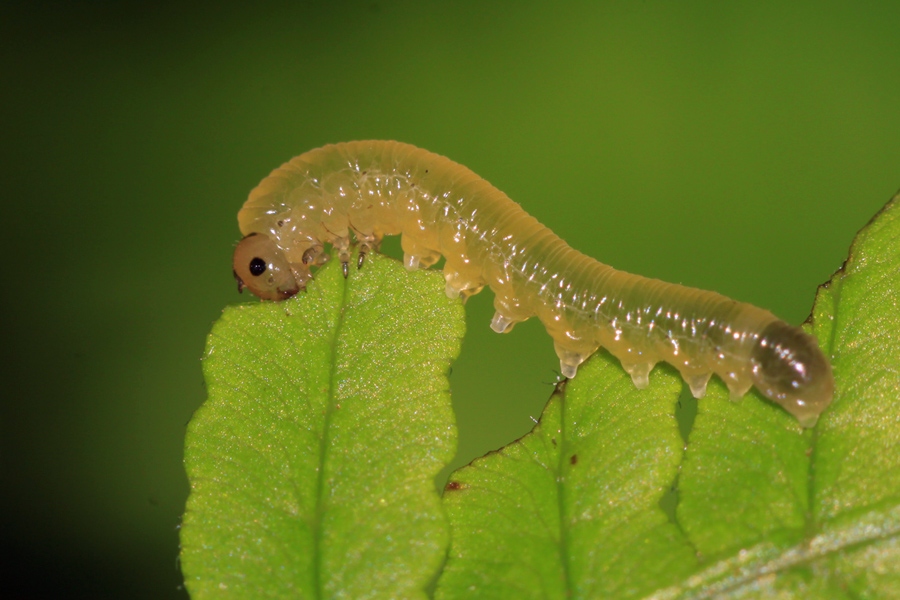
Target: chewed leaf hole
[685,415]
[686,412]
[669,501]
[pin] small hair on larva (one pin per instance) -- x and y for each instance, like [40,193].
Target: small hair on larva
[369,189]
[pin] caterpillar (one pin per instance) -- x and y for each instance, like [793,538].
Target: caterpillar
[369,189]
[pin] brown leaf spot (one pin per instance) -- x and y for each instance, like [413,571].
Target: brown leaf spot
[453,486]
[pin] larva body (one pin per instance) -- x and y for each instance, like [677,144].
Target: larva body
[377,188]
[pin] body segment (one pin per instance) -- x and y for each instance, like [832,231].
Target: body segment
[366,190]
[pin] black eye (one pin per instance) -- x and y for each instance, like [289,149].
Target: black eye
[257,267]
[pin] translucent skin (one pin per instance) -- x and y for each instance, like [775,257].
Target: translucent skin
[377,188]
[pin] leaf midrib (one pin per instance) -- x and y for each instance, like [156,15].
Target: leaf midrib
[324,442]
[709,583]
[561,484]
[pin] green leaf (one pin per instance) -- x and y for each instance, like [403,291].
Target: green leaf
[312,462]
[765,508]
[550,515]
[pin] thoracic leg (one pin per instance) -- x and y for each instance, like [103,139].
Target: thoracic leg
[367,243]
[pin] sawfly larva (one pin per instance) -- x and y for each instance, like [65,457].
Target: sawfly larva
[370,189]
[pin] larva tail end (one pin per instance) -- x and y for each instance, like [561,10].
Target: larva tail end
[790,369]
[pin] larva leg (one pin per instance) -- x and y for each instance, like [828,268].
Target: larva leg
[737,388]
[414,262]
[416,255]
[372,239]
[451,290]
[315,256]
[507,312]
[698,384]
[636,360]
[426,260]
[342,247]
[640,373]
[367,243]
[459,286]
[501,324]
[569,360]
[470,291]
[508,309]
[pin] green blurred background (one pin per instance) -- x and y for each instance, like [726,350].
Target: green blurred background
[732,146]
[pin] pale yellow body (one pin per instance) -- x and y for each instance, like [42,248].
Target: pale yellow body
[371,189]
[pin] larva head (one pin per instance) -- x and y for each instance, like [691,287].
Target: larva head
[261,267]
[789,368]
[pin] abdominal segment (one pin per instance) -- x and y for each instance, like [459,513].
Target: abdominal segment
[366,190]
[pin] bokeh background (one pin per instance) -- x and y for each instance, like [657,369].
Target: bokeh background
[731,146]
